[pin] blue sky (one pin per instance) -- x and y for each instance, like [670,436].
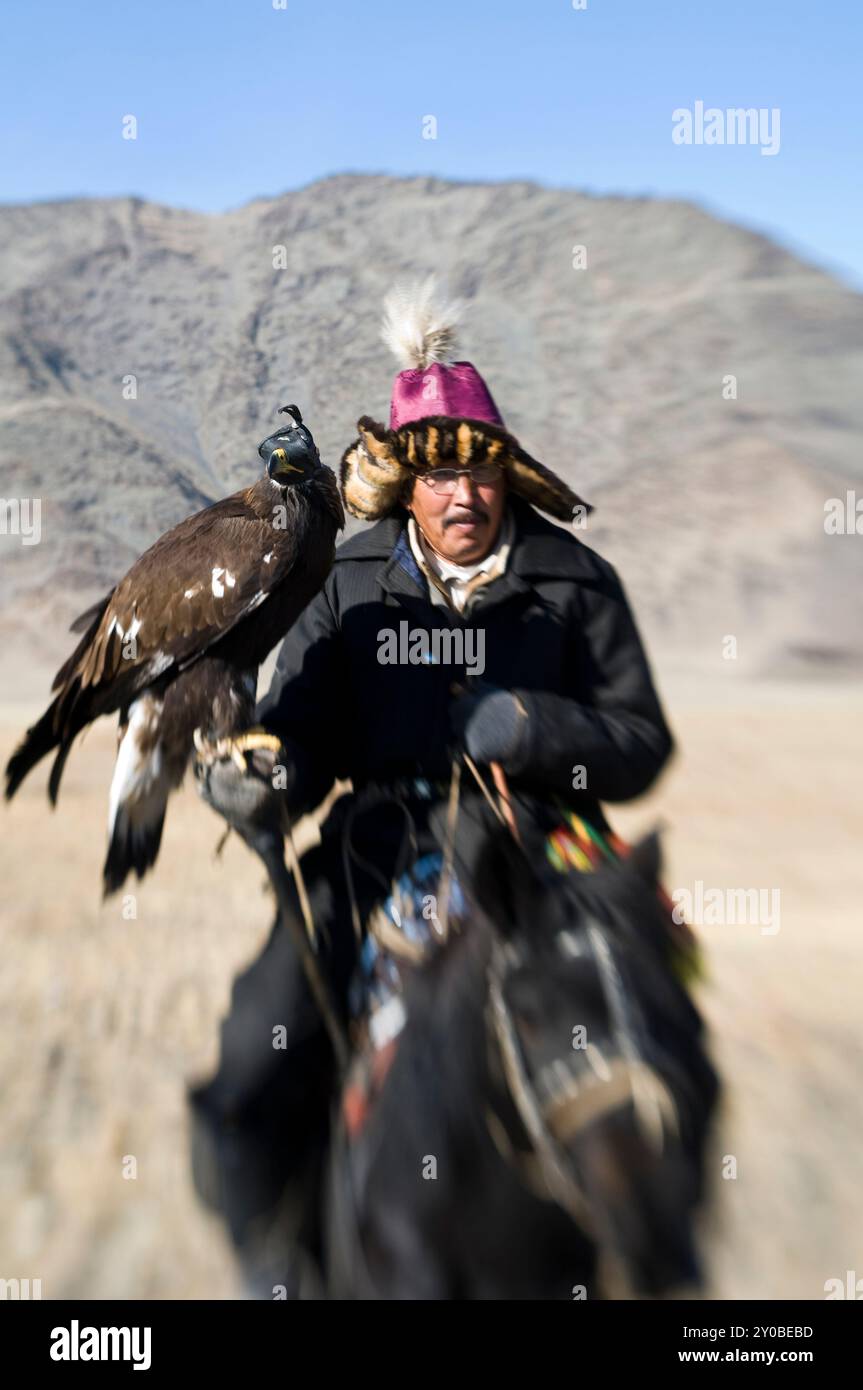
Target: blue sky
[236,99]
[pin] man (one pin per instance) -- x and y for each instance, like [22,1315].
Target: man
[461,620]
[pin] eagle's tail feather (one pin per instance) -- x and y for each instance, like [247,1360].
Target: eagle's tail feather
[134,845]
[57,772]
[144,777]
[42,739]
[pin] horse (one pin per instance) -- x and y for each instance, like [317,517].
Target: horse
[538,1128]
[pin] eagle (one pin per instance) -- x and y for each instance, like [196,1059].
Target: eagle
[175,647]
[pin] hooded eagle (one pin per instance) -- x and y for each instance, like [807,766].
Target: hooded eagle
[175,647]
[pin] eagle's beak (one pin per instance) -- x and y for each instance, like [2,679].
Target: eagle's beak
[278,463]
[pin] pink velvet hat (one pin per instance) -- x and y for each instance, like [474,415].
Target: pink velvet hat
[455,389]
[442,415]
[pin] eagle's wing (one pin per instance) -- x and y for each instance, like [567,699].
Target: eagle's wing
[184,593]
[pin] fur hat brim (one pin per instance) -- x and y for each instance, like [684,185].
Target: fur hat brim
[376,466]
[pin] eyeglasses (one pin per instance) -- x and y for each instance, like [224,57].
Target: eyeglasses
[445,480]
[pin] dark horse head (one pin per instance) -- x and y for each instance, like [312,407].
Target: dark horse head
[541,1129]
[603,1087]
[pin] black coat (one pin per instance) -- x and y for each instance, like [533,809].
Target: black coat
[558,631]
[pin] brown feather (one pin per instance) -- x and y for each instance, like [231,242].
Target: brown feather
[229,581]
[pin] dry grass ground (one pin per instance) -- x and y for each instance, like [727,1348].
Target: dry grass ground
[106,1013]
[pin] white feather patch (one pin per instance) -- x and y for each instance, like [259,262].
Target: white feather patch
[125,635]
[419,323]
[140,783]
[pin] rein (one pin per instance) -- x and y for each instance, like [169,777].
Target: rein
[407,851]
[566,1104]
[572,1105]
[561,1186]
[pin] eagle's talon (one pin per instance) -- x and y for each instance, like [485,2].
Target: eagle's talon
[257,738]
[235,750]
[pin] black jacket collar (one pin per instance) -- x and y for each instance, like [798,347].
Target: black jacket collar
[540,550]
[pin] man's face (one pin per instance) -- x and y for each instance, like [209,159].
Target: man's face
[461,525]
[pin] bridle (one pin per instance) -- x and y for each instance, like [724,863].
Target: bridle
[567,1105]
[558,1105]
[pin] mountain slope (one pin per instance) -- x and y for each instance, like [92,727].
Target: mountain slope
[613,374]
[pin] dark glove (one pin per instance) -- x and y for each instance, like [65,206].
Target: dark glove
[245,778]
[493,725]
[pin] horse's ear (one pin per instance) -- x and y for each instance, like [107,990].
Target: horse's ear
[645,858]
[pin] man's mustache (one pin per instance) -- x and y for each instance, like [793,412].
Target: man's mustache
[466,514]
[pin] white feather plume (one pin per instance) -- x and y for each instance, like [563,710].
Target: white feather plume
[419,323]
